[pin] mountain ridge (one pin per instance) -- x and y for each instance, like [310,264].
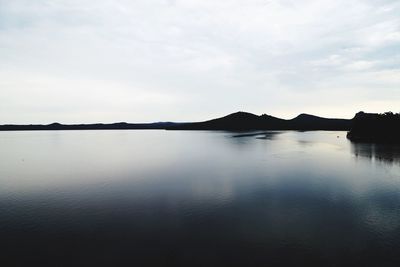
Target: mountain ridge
[237,121]
[241,121]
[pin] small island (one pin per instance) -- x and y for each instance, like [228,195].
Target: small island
[374,127]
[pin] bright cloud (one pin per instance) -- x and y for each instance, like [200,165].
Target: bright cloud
[103,60]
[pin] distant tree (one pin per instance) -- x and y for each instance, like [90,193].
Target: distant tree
[383,127]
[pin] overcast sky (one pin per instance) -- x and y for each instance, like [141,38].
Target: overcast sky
[152,60]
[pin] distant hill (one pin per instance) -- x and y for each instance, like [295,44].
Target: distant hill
[364,127]
[95,126]
[234,121]
[374,127]
[241,121]
[311,122]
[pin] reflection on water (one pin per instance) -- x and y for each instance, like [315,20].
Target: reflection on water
[260,135]
[389,153]
[181,198]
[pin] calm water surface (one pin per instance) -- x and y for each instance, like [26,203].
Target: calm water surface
[197,198]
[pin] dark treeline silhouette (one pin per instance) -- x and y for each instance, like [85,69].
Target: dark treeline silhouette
[242,121]
[239,121]
[364,127]
[94,126]
[374,127]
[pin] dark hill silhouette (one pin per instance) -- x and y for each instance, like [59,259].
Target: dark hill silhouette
[95,126]
[239,121]
[242,121]
[374,127]
[364,126]
[234,121]
[311,122]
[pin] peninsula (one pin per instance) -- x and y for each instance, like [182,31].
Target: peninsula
[374,127]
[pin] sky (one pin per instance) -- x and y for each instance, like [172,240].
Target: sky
[83,61]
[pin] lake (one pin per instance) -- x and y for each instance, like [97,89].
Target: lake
[197,198]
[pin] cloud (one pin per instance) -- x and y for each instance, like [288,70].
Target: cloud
[190,60]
